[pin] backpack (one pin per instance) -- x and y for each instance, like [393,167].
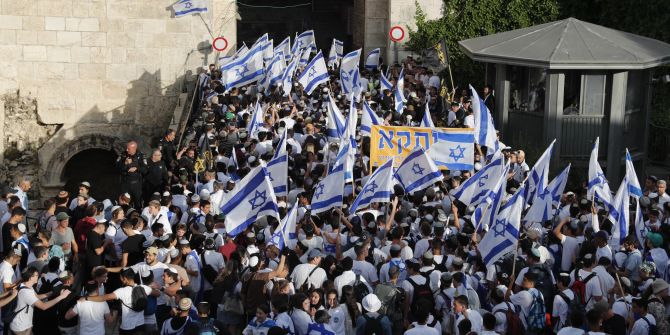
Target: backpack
[373,325]
[139,299]
[43,221]
[575,307]
[305,285]
[536,318]
[393,299]
[48,286]
[9,312]
[208,328]
[167,329]
[579,286]
[421,293]
[360,289]
[514,324]
[207,270]
[544,284]
[652,328]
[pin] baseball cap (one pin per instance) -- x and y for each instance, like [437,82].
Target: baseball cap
[151,250]
[62,216]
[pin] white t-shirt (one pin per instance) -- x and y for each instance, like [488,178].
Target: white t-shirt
[592,287]
[157,269]
[367,270]
[474,317]
[192,264]
[7,275]
[117,236]
[25,300]
[422,330]
[641,327]
[129,318]
[570,245]
[300,273]
[337,317]
[570,331]
[91,317]
[215,260]
[561,307]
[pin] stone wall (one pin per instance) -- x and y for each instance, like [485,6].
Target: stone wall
[109,67]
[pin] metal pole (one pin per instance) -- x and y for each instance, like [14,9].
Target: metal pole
[395,52]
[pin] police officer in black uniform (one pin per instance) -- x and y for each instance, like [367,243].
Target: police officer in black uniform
[167,147]
[156,177]
[132,165]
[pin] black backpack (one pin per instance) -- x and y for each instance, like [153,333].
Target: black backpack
[48,285]
[373,325]
[9,312]
[421,293]
[207,270]
[139,299]
[360,289]
[652,330]
[393,299]
[544,284]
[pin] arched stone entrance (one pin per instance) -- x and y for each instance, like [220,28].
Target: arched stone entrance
[96,166]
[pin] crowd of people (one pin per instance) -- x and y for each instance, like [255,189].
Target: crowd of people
[158,260]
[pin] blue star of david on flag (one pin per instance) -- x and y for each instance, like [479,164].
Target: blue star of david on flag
[319,191]
[456,156]
[417,169]
[188,5]
[371,188]
[312,73]
[643,232]
[258,200]
[481,182]
[499,228]
[242,70]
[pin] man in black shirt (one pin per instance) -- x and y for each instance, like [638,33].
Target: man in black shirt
[167,147]
[131,248]
[613,324]
[17,216]
[95,247]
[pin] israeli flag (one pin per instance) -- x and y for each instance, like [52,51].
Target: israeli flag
[543,208]
[348,68]
[417,171]
[398,93]
[620,214]
[245,70]
[315,73]
[339,49]
[256,120]
[477,188]
[538,176]
[453,149]
[357,86]
[598,185]
[233,159]
[185,7]
[633,183]
[503,233]
[253,197]
[304,57]
[303,40]
[335,120]
[345,158]
[268,51]
[427,121]
[275,70]
[262,41]
[368,119]
[485,131]
[285,234]
[285,48]
[378,188]
[281,146]
[287,77]
[385,84]
[241,52]
[372,61]
[495,198]
[335,53]
[328,192]
[278,174]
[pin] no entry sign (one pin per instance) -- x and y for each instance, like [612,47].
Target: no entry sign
[220,44]
[397,33]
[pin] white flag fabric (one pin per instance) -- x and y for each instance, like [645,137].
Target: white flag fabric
[285,234]
[453,148]
[538,177]
[345,157]
[378,188]
[348,67]
[256,120]
[245,70]
[185,7]
[485,131]
[620,215]
[417,171]
[335,53]
[475,190]
[398,94]
[427,120]
[503,234]
[368,119]
[281,146]
[641,230]
[304,40]
[285,48]
[335,120]
[304,57]
[275,70]
[372,60]
[495,198]
[314,74]
[384,83]
[241,51]
[278,174]
[268,51]
[598,184]
[633,183]
[542,208]
[252,198]
[328,192]
[287,77]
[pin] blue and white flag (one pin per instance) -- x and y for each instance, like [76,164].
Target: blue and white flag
[453,149]
[357,87]
[398,94]
[641,229]
[335,53]
[287,77]
[335,120]
[304,56]
[233,159]
[268,51]
[372,60]
[285,234]
[328,193]
[368,119]
[348,68]
[262,41]
[281,146]
[427,120]
[485,131]
[185,7]
[620,215]
[285,48]
[494,199]
[598,185]
[417,171]
[633,183]
[303,40]
[345,158]
[245,70]
[253,197]
[476,189]
[314,74]
[278,174]
[538,176]
[503,234]
[241,52]
[275,70]
[545,204]
[385,84]
[378,188]
[256,120]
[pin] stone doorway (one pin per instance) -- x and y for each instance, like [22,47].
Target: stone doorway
[97,166]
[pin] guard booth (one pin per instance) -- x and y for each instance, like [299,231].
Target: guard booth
[574,81]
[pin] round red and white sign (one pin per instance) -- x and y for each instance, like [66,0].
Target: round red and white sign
[220,44]
[397,33]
